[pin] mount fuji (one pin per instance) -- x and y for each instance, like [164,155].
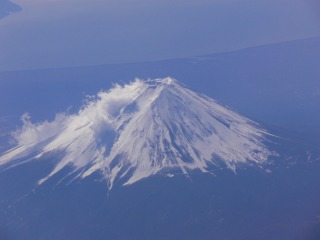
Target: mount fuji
[141,129]
[192,168]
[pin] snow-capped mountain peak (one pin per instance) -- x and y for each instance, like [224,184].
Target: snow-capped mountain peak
[141,129]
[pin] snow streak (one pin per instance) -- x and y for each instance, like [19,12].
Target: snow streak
[140,129]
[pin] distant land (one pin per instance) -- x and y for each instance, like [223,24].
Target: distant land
[7,7]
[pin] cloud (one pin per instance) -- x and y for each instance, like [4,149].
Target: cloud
[97,114]
[31,134]
[83,137]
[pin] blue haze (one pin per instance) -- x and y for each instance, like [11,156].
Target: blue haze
[77,33]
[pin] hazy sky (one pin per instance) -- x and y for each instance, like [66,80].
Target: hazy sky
[59,33]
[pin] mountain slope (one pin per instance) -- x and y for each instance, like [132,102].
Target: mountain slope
[141,129]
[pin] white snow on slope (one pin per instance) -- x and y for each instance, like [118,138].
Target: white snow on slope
[140,129]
